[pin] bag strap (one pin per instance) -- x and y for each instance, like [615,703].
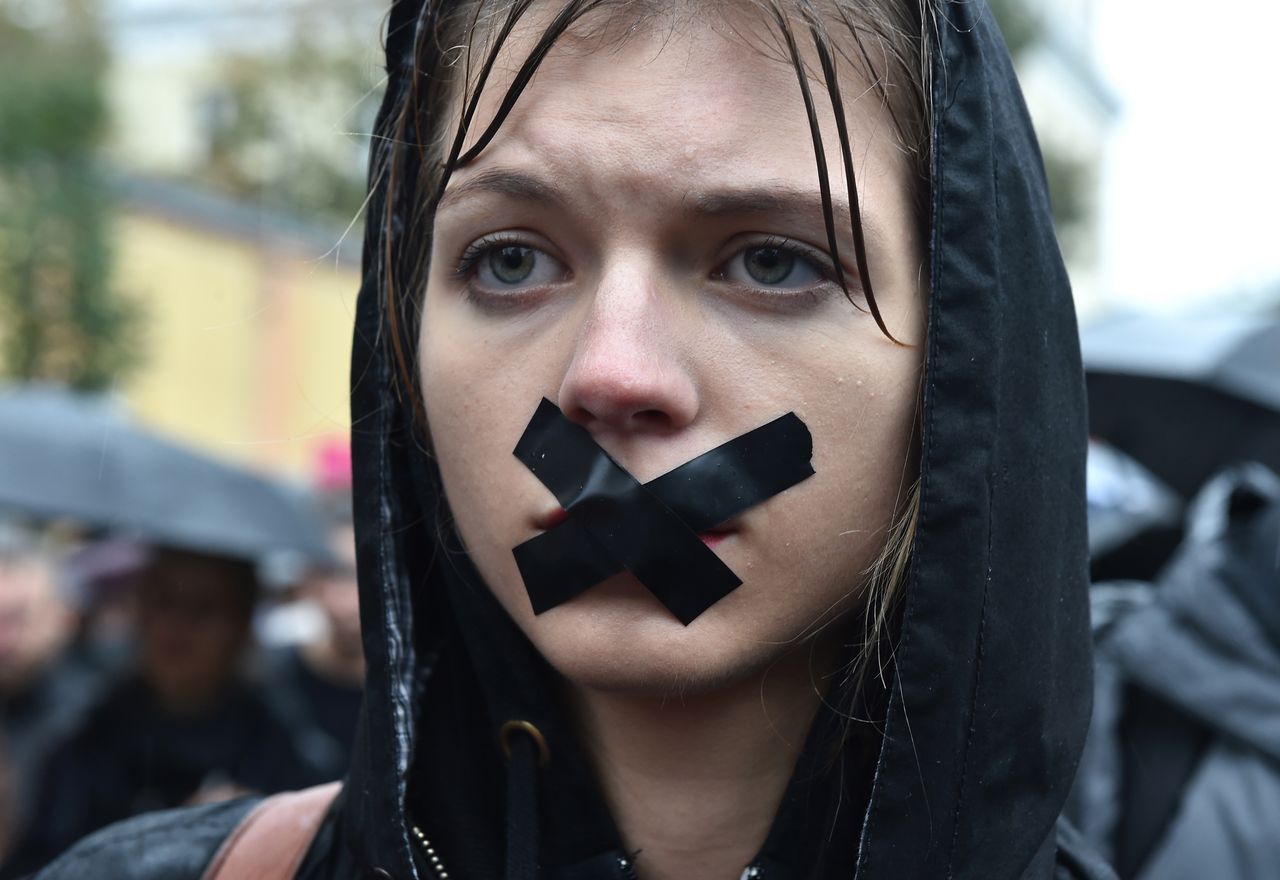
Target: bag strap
[272,839]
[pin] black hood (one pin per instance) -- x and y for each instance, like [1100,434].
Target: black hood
[991,685]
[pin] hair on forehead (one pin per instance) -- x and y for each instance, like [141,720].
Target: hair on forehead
[880,41]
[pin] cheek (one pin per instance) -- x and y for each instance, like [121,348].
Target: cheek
[477,406]
[819,539]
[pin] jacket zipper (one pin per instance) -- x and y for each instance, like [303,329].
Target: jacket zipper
[434,865]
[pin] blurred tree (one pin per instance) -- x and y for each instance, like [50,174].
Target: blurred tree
[1070,179]
[61,318]
[284,127]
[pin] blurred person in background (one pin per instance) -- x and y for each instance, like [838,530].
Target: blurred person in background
[41,686]
[8,800]
[319,682]
[1180,778]
[182,726]
[101,575]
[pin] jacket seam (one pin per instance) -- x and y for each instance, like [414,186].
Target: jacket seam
[980,647]
[926,455]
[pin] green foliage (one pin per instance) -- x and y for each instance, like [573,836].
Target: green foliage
[61,319]
[1069,178]
[1018,24]
[1071,183]
[280,129]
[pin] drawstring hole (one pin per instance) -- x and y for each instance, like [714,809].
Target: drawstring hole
[528,729]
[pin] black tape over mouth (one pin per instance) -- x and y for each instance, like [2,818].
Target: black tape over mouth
[617,524]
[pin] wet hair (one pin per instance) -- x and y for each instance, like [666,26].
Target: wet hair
[885,41]
[454,50]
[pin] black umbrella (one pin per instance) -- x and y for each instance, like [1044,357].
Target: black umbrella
[1186,396]
[1135,521]
[64,454]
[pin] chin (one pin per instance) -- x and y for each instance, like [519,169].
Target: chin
[618,638]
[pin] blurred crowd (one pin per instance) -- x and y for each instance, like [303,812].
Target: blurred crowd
[1180,777]
[137,676]
[1181,772]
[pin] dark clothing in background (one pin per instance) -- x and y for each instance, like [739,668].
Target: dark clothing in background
[128,756]
[38,717]
[323,714]
[990,689]
[337,706]
[1181,774]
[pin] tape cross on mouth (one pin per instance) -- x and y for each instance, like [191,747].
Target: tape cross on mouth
[616,524]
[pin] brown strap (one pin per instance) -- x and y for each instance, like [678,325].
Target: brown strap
[271,840]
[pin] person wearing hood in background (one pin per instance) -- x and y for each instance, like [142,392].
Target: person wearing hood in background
[318,684]
[1181,773]
[182,726]
[786,578]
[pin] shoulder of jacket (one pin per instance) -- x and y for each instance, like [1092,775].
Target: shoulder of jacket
[170,844]
[1075,859]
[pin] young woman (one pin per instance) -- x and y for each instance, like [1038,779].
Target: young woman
[619,238]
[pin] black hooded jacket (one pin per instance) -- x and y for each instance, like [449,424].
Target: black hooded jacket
[991,688]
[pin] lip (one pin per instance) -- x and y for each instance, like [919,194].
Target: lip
[716,534]
[551,518]
[711,539]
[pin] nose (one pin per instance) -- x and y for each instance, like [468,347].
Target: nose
[630,372]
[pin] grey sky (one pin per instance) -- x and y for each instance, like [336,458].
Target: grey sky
[1193,186]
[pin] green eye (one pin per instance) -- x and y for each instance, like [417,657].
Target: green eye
[768,265]
[780,267]
[511,264]
[504,266]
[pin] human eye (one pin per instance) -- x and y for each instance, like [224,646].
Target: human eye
[777,265]
[505,265]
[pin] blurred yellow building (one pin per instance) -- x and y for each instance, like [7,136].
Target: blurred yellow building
[248,324]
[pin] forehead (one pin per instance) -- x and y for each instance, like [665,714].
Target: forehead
[672,108]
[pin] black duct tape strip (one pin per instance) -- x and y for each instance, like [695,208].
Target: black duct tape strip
[651,530]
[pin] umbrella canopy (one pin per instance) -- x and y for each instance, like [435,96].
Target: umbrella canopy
[1186,397]
[1135,521]
[1124,499]
[64,454]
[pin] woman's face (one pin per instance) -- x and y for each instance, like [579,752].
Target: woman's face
[643,243]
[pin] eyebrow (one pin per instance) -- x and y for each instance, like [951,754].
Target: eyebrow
[782,200]
[771,200]
[778,199]
[504,182]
